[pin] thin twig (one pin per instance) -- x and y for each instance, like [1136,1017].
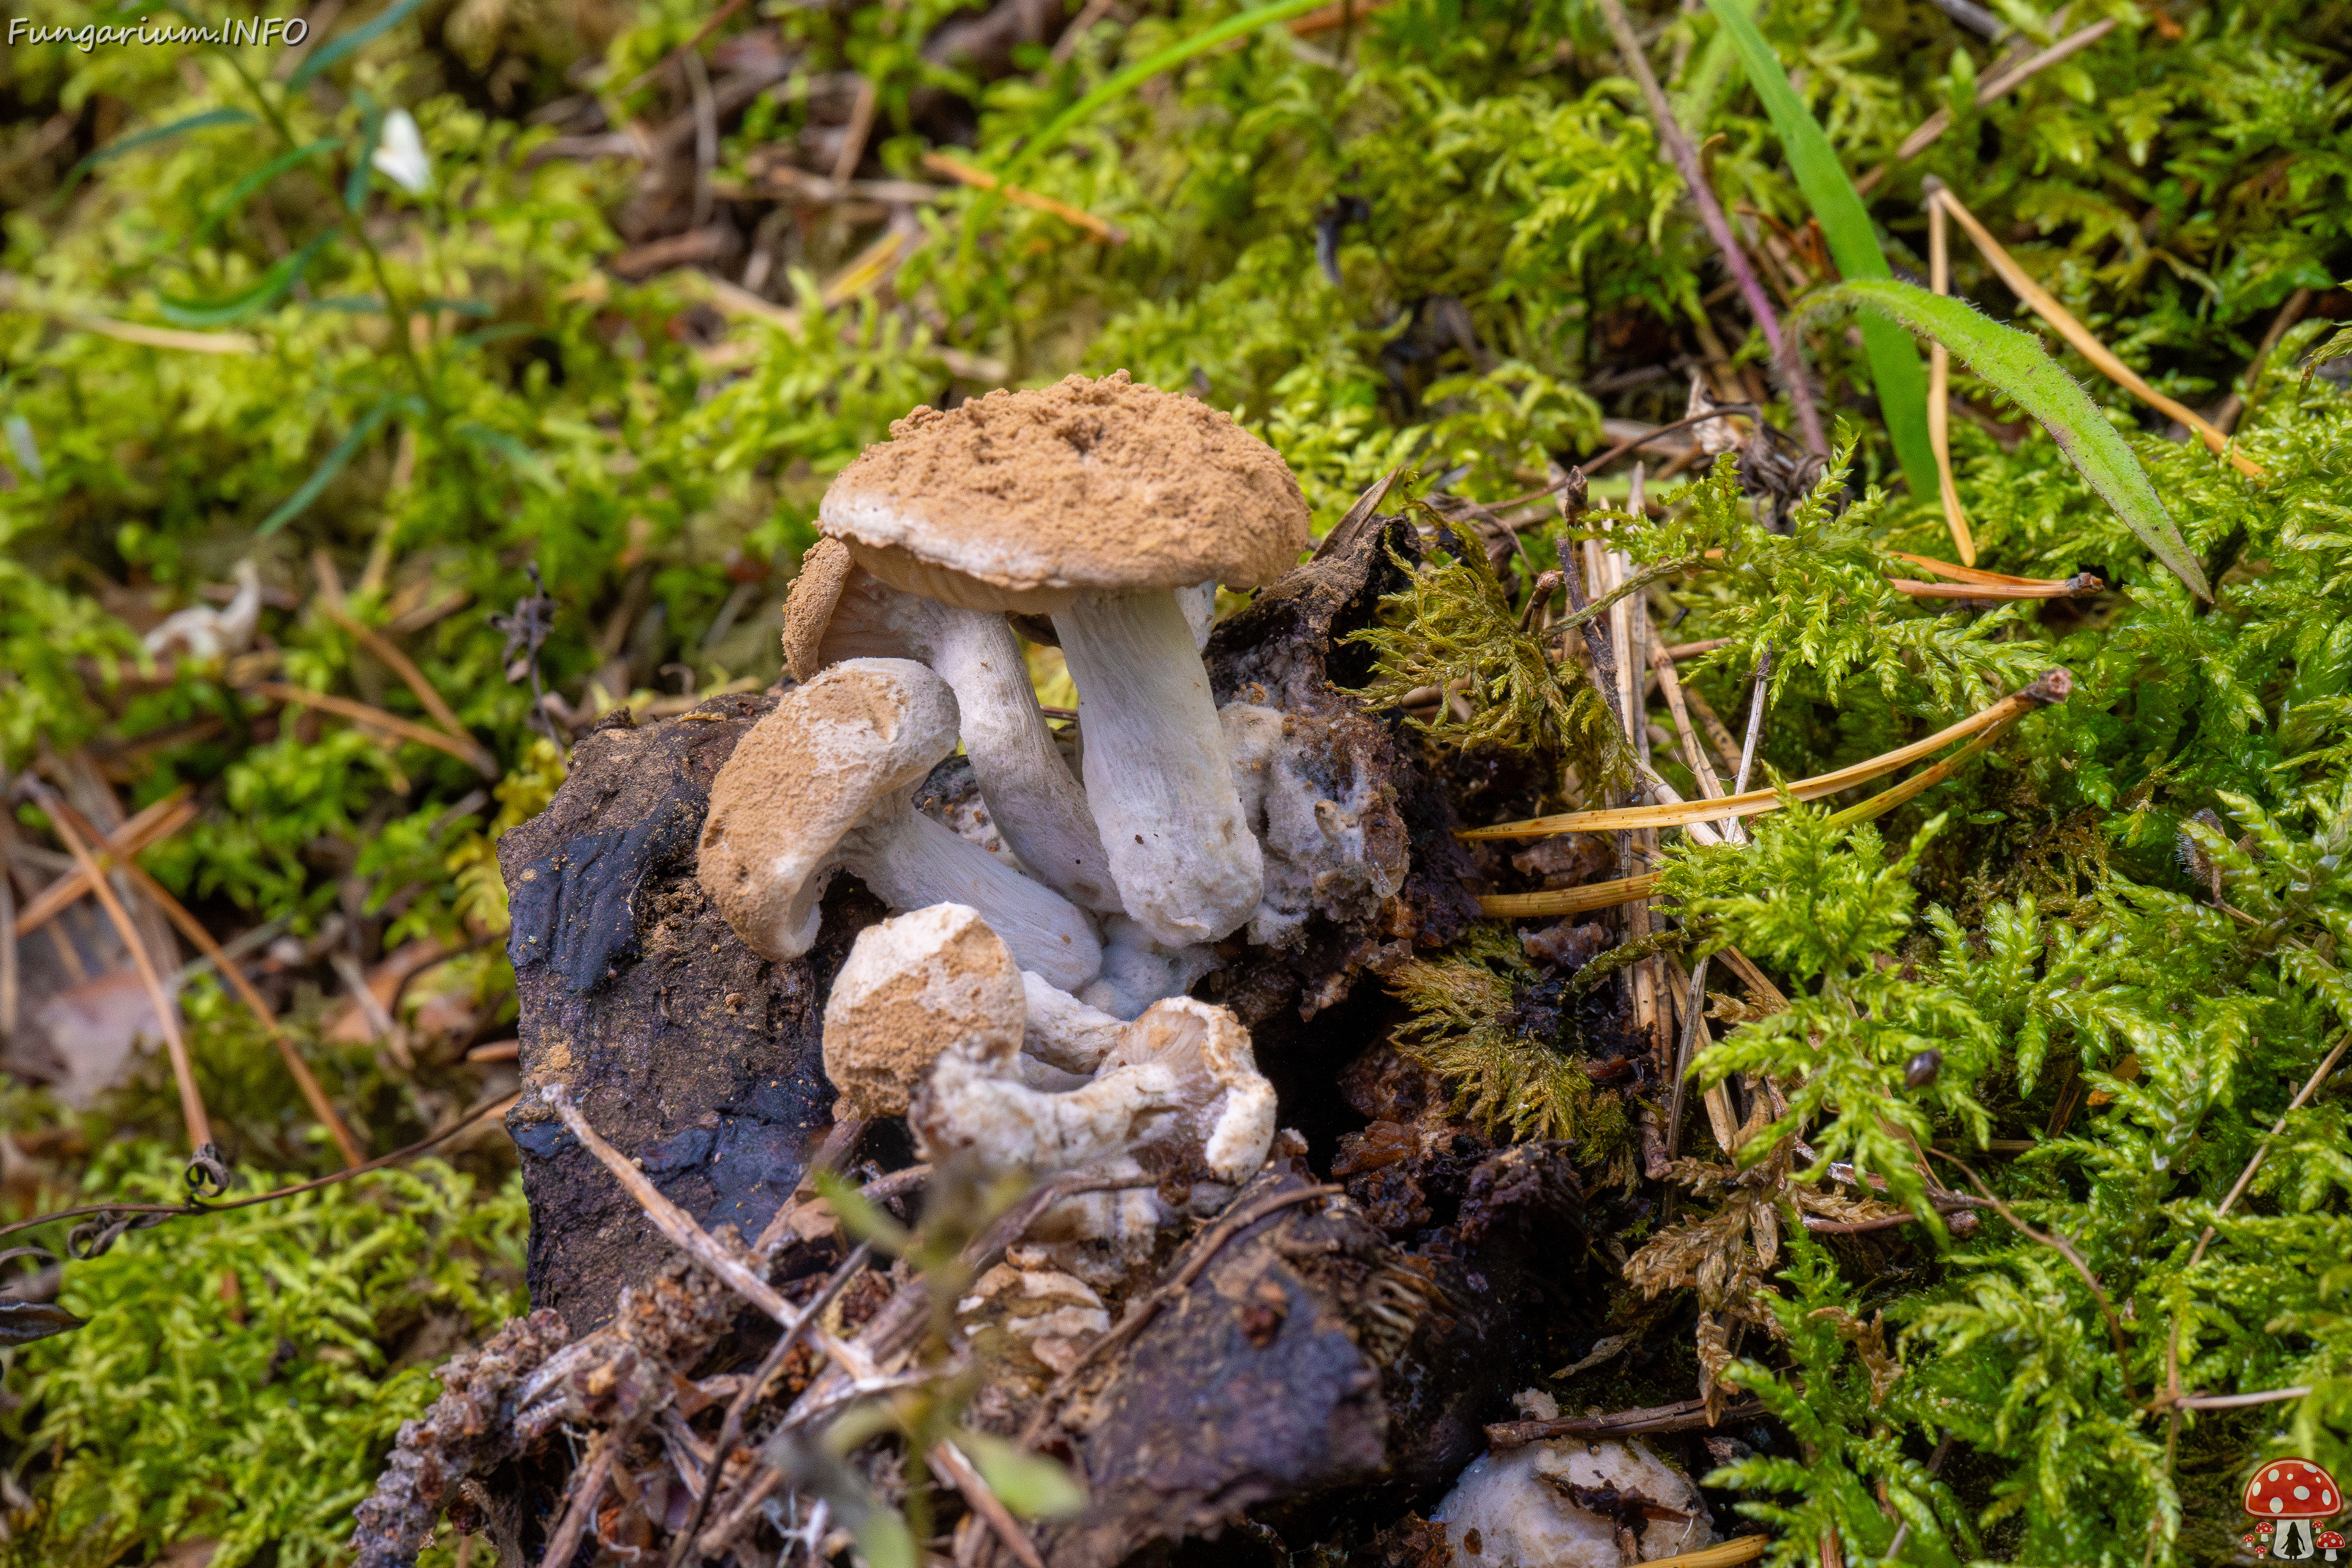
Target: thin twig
[718,20]
[950,1462]
[979,179]
[587,1486]
[1718,228]
[1997,85]
[1687,1415]
[731,1428]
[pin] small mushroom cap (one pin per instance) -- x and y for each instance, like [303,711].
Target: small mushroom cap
[828,755]
[808,605]
[2293,1488]
[1020,501]
[913,986]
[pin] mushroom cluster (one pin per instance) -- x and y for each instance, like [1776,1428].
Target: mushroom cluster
[1100,514]
[2291,1494]
[933,1019]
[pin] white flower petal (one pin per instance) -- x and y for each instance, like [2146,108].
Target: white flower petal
[401,153]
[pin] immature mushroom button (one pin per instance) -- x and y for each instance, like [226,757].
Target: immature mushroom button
[910,987]
[1096,502]
[825,782]
[837,610]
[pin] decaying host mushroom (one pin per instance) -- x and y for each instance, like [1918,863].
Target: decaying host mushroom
[1571,1502]
[1096,502]
[929,1015]
[824,781]
[837,610]
[1333,845]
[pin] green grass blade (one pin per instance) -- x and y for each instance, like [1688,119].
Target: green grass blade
[2014,363]
[1895,366]
[358,38]
[345,450]
[138,138]
[1118,86]
[240,194]
[271,286]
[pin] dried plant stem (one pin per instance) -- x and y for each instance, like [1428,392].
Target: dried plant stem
[330,599]
[167,1015]
[580,1508]
[1718,228]
[731,1428]
[2047,307]
[1939,393]
[948,1460]
[1694,755]
[313,1095]
[150,826]
[956,169]
[2225,417]
[466,751]
[2052,686]
[1995,85]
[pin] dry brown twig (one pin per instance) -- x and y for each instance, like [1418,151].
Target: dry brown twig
[1995,85]
[338,610]
[151,826]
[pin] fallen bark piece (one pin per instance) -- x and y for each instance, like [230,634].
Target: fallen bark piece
[684,1048]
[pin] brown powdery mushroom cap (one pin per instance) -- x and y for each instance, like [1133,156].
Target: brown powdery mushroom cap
[1018,501]
[912,986]
[2293,1488]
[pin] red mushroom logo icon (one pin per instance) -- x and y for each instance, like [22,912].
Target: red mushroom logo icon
[2290,1494]
[2330,1542]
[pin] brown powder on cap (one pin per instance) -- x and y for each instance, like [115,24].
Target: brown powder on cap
[808,605]
[912,986]
[1090,484]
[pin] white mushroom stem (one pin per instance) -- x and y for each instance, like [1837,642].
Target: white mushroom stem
[976,1104]
[1033,798]
[1064,1031]
[911,862]
[1162,790]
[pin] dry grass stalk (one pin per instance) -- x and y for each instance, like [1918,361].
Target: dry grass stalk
[1332,17]
[949,1461]
[1994,87]
[152,825]
[330,599]
[1939,393]
[167,1015]
[981,179]
[313,1094]
[2052,687]
[373,718]
[2046,306]
[2225,416]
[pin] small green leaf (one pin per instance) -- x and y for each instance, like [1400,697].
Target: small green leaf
[271,286]
[2015,363]
[1895,367]
[1031,1485]
[370,422]
[862,1219]
[885,1541]
[237,194]
[358,38]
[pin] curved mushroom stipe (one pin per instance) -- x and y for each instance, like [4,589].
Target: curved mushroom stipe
[201,632]
[826,782]
[1065,1032]
[838,611]
[1157,774]
[1138,969]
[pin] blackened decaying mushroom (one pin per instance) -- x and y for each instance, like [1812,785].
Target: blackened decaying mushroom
[825,782]
[837,610]
[1096,502]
